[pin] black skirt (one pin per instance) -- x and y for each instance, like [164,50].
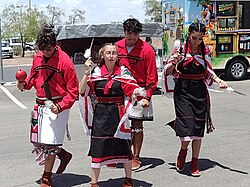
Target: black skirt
[190,99]
[103,143]
[104,147]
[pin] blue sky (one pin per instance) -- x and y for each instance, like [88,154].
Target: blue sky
[190,10]
[96,11]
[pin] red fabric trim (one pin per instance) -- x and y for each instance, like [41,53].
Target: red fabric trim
[102,159]
[108,86]
[192,76]
[122,112]
[117,100]
[86,112]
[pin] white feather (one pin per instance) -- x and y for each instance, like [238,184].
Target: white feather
[177,43]
[87,53]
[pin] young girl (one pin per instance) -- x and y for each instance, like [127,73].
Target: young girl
[192,66]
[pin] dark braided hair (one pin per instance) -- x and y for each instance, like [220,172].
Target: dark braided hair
[46,37]
[132,25]
[198,27]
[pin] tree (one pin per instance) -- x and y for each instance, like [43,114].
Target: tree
[22,22]
[77,13]
[55,14]
[153,10]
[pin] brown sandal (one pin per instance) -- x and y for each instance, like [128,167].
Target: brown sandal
[94,185]
[46,181]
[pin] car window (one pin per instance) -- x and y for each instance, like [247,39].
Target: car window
[16,40]
[5,45]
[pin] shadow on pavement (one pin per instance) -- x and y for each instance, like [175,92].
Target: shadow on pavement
[205,164]
[68,180]
[149,163]
[119,182]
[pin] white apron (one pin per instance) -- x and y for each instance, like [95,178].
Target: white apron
[139,113]
[49,128]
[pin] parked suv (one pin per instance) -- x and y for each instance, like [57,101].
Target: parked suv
[7,51]
[16,42]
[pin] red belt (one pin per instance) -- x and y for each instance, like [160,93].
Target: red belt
[116,100]
[192,76]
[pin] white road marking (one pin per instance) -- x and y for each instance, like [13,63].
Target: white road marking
[13,98]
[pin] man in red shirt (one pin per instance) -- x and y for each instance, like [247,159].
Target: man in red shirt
[139,57]
[54,77]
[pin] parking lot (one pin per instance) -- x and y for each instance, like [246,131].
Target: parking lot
[224,159]
[18,60]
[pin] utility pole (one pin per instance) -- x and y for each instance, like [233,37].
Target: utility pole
[1,59]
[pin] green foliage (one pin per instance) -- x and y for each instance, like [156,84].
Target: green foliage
[21,22]
[153,10]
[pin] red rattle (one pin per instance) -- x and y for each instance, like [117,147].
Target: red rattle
[21,75]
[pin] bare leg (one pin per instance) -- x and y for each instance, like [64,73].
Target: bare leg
[184,144]
[137,138]
[128,169]
[196,146]
[194,169]
[50,163]
[95,172]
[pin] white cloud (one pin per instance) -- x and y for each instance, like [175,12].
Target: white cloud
[96,11]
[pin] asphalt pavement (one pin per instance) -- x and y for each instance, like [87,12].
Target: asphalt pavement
[224,158]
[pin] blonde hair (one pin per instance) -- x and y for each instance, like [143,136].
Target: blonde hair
[100,60]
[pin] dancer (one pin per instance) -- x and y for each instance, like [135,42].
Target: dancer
[192,67]
[107,85]
[54,77]
[139,57]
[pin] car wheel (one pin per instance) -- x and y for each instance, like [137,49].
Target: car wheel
[236,70]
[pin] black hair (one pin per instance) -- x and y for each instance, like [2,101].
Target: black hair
[100,60]
[198,27]
[132,25]
[46,37]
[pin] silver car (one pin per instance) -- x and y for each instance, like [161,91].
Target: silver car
[7,51]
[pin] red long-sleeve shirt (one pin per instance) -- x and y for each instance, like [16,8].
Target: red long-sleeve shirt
[141,63]
[64,82]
